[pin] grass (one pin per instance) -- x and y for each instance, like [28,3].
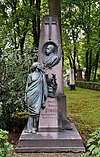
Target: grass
[83,108]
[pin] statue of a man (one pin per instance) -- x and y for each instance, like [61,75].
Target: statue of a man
[36,95]
[51,56]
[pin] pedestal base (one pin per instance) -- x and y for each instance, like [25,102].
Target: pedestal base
[63,141]
[72,87]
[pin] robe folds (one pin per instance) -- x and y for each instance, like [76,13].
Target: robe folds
[36,92]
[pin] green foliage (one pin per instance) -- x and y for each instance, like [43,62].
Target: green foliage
[15,33]
[81,35]
[5,146]
[0,108]
[13,81]
[93,144]
[44,7]
[88,85]
[98,76]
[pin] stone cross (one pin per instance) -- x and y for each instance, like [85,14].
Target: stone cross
[50,22]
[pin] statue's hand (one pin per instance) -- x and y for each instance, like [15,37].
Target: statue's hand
[43,107]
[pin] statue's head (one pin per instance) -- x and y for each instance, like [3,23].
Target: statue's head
[36,65]
[49,49]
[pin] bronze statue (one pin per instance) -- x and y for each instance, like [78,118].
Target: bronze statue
[36,95]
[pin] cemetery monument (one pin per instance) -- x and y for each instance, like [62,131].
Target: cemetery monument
[72,80]
[79,74]
[55,133]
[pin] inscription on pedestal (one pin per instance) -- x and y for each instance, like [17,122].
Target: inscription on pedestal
[49,116]
[50,110]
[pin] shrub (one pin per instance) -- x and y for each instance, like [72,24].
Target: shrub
[5,146]
[0,108]
[12,82]
[98,76]
[93,144]
[88,85]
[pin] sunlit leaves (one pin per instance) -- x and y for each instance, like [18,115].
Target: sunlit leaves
[82,17]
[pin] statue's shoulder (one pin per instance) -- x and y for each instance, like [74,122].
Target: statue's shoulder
[35,75]
[29,75]
[55,56]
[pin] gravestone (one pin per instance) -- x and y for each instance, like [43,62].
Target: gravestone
[52,62]
[68,77]
[56,133]
[72,80]
[79,74]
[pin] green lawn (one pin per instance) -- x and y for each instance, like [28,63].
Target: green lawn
[83,108]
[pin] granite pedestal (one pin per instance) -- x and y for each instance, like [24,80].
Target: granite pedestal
[55,134]
[72,86]
[63,141]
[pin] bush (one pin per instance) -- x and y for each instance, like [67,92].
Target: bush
[12,82]
[98,76]
[5,146]
[93,144]
[88,85]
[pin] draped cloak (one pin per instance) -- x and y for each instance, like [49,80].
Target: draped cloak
[36,92]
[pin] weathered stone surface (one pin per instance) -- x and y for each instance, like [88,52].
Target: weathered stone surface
[49,117]
[56,39]
[61,141]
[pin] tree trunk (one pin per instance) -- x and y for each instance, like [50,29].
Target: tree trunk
[36,23]
[38,3]
[22,40]
[54,9]
[74,36]
[74,64]
[70,62]
[96,65]
[90,65]
[87,70]
[88,31]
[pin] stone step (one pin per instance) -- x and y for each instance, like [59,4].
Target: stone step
[64,141]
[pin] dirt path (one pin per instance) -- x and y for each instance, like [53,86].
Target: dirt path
[47,155]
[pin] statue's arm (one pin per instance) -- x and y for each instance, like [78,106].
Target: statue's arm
[26,90]
[27,85]
[44,89]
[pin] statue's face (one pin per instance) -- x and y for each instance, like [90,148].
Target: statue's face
[49,49]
